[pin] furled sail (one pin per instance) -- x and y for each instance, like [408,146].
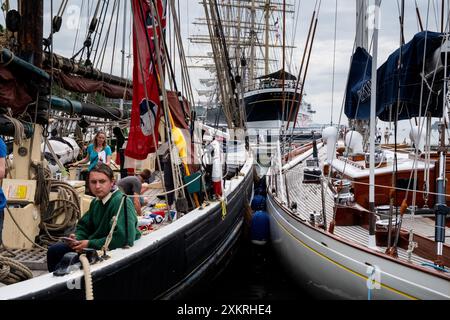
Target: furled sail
[146,107]
[76,83]
[399,87]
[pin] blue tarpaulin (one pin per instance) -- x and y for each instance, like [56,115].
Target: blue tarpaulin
[397,86]
[357,99]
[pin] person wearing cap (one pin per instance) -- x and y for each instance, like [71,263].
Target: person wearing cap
[132,186]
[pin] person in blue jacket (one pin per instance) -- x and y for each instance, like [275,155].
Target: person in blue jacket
[2,175]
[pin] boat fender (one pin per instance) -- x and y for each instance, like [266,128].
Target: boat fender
[258,203]
[354,141]
[262,184]
[329,136]
[259,230]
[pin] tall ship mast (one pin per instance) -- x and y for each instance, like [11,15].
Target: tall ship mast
[261,60]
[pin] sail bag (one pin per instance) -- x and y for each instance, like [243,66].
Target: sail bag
[409,84]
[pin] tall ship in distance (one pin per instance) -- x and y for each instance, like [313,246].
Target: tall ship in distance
[252,52]
[262,60]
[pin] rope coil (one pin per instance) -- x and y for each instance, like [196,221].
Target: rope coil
[66,205]
[12,271]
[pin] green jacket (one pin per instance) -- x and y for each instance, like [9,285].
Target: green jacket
[97,222]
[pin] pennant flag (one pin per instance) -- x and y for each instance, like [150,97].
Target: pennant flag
[146,107]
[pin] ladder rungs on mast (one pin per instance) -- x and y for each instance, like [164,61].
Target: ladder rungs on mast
[234,42]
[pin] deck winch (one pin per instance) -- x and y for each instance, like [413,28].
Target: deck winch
[344,195]
[312,172]
[380,158]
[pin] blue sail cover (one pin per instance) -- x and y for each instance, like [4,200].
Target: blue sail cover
[397,87]
[357,98]
[402,87]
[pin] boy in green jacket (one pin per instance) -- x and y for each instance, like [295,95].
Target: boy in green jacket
[93,229]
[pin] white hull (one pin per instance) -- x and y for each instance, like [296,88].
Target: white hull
[333,268]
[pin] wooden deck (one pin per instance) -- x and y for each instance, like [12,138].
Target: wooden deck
[309,200]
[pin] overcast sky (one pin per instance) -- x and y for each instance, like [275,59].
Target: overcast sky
[319,82]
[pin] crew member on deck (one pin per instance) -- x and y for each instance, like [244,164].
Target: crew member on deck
[93,228]
[378,134]
[387,134]
[132,186]
[97,152]
[2,175]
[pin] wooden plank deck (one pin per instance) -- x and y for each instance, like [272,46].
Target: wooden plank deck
[309,200]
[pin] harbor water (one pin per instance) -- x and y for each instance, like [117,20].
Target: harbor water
[254,274]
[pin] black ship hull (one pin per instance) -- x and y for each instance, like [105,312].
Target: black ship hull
[267,105]
[172,266]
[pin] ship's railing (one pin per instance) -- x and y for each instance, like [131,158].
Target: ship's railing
[271,84]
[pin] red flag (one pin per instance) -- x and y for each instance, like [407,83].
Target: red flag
[146,108]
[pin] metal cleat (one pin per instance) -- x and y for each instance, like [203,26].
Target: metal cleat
[69,263]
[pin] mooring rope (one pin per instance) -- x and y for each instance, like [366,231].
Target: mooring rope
[12,271]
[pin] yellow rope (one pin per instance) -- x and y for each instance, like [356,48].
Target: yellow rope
[224,209]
